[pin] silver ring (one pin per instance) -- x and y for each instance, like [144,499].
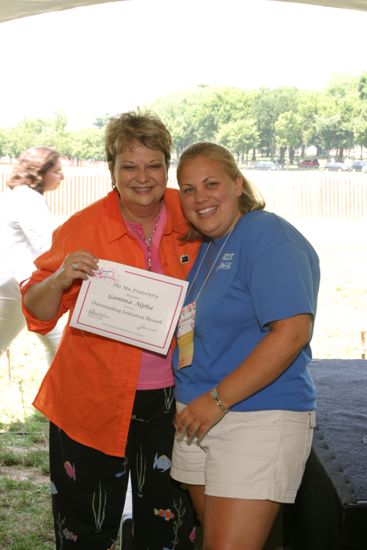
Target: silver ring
[75,267]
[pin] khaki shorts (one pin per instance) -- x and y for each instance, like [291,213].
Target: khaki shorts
[248,455]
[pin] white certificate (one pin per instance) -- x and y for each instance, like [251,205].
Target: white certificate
[131,305]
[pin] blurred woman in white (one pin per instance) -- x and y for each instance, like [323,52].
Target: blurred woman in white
[26,226]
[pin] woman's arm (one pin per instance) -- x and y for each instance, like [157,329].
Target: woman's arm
[43,299]
[268,360]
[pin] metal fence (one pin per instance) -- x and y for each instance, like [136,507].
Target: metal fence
[316,194]
[290,193]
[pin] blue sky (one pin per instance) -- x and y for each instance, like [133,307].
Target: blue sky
[112,57]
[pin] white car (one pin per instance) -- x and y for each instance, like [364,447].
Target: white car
[266,165]
[338,167]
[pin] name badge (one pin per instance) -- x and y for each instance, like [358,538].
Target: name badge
[185,335]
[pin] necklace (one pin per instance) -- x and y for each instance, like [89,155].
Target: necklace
[148,241]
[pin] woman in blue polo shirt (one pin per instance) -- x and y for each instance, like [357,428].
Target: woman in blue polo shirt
[244,346]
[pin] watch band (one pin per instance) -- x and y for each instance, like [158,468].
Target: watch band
[215,395]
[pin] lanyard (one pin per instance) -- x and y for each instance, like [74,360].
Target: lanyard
[211,268]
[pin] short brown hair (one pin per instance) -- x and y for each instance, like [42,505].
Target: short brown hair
[31,166]
[136,126]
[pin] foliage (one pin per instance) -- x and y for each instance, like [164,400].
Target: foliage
[360,127]
[88,145]
[101,121]
[269,122]
[239,136]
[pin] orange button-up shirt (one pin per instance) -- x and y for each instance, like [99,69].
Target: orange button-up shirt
[90,387]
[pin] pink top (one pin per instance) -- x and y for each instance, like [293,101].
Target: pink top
[156,370]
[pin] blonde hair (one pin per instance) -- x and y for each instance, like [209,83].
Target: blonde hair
[31,166]
[249,200]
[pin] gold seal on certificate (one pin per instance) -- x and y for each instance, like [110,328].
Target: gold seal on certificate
[131,305]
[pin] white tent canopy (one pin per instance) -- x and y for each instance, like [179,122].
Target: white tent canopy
[348,4]
[13,9]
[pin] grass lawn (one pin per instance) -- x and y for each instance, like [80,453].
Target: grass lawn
[25,517]
[342,310]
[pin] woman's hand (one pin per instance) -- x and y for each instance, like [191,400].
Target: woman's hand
[196,419]
[76,265]
[43,299]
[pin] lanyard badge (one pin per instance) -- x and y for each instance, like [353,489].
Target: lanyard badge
[186,323]
[185,335]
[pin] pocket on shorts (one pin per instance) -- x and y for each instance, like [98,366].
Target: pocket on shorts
[296,443]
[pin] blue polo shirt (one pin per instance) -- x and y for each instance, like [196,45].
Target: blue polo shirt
[266,271]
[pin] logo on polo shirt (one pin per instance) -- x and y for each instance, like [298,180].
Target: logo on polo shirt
[226,261]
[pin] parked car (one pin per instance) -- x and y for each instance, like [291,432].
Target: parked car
[266,165]
[308,163]
[336,166]
[358,165]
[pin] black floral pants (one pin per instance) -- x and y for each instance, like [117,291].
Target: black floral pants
[89,487]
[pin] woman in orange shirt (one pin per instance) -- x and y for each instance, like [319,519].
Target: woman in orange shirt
[110,404]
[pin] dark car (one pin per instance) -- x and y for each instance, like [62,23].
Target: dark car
[266,165]
[357,165]
[308,163]
[336,166]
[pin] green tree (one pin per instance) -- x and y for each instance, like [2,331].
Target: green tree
[198,115]
[56,135]
[176,111]
[360,129]
[337,117]
[269,105]
[88,144]
[100,122]
[266,120]
[288,132]
[3,143]
[23,136]
[309,111]
[32,132]
[360,121]
[239,136]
